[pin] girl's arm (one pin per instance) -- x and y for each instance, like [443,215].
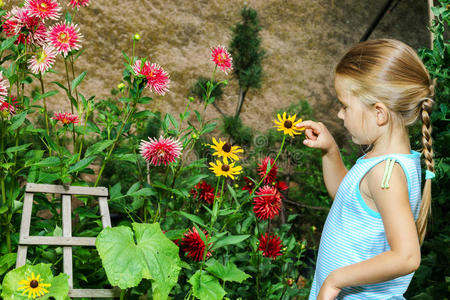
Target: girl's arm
[318,136]
[401,233]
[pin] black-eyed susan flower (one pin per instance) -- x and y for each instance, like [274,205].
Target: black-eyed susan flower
[34,286]
[287,125]
[225,150]
[225,169]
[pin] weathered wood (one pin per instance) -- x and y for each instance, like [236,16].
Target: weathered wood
[104,211]
[67,233]
[57,241]
[99,293]
[21,256]
[26,215]
[71,190]
[67,240]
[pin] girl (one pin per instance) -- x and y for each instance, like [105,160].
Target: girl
[370,245]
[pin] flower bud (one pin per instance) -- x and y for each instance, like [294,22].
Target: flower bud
[136,37]
[194,136]
[290,281]
[121,86]
[236,185]
[313,228]
[225,82]
[191,99]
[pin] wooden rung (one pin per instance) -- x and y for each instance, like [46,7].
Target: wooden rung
[71,190]
[57,241]
[98,293]
[104,211]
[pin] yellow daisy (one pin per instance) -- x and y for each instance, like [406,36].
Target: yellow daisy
[225,150]
[287,125]
[225,169]
[33,286]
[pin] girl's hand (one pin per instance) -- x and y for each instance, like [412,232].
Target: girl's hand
[317,136]
[328,291]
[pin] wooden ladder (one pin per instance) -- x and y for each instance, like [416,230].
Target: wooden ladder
[67,241]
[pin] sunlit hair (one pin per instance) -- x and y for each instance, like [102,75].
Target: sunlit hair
[390,72]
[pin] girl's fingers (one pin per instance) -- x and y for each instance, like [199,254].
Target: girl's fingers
[309,124]
[310,134]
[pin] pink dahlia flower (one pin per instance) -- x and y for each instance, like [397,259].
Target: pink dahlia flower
[44,9]
[270,245]
[66,118]
[65,37]
[4,85]
[76,4]
[43,60]
[193,245]
[160,151]
[267,205]
[222,58]
[29,29]
[157,79]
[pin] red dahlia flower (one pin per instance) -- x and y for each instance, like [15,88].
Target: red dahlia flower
[66,118]
[204,191]
[249,185]
[268,206]
[270,245]
[160,151]
[262,169]
[156,78]
[193,245]
[9,107]
[65,37]
[221,57]
[44,9]
[76,4]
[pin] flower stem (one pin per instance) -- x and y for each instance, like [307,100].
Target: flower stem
[45,104]
[70,99]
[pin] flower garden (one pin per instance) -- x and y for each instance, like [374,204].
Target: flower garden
[195,214]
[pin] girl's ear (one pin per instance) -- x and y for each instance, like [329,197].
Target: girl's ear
[382,113]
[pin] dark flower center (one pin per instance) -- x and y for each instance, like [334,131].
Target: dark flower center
[288,124]
[226,147]
[34,283]
[225,168]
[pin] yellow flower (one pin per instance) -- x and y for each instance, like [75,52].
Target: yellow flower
[287,125]
[227,170]
[33,286]
[225,150]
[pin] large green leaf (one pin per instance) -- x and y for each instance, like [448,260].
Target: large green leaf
[153,256]
[227,273]
[98,147]
[229,240]
[59,285]
[206,287]
[7,261]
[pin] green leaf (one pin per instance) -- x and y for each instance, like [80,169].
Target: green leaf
[59,285]
[143,192]
[193,180]
[153,257]
[46,95]
[17,121]
[230,240]
[78,80]
[209,127]
[51,161]
[227,273]
[8,43]
[193,218]
[98,147]
[206,287]
[81,164]
[7,261]
[17,148]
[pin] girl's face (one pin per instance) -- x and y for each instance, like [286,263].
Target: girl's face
[355,114]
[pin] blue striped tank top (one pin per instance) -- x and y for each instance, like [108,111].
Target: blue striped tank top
[353,232]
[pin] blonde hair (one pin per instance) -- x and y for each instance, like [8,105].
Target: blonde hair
[390,72]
